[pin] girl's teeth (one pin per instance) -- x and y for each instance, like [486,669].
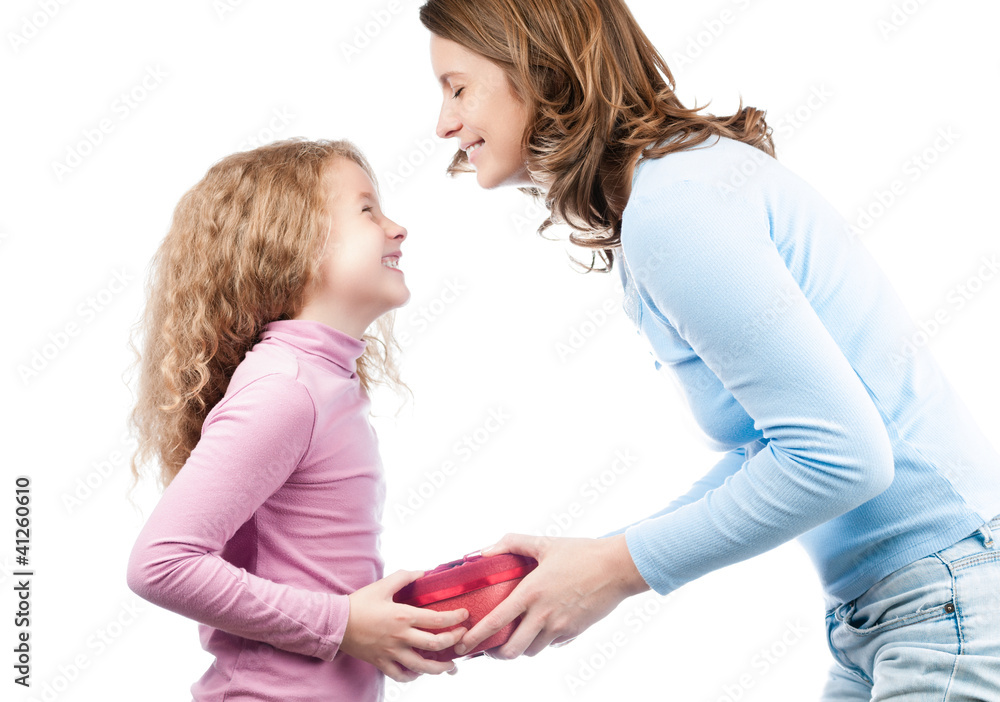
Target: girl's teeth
[390,263]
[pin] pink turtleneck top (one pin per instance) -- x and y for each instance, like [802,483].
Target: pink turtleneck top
[272,521]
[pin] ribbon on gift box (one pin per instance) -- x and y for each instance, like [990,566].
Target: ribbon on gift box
[470,585]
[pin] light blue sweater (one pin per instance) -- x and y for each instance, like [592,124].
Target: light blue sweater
[789,344]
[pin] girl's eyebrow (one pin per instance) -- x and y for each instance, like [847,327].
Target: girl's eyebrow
[366,196]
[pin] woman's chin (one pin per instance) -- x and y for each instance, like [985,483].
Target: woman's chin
[490,181]
[484,180]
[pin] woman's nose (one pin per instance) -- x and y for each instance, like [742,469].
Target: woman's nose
[448,122]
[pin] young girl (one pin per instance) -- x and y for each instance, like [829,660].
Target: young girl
[253,397]
[780,327]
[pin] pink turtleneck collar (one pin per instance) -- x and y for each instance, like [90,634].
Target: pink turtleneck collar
[318,339]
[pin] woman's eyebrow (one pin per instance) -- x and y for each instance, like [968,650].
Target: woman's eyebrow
[445,77]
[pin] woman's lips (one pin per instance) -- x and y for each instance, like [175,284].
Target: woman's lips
[474,150]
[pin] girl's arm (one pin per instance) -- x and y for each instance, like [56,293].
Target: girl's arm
[250,444]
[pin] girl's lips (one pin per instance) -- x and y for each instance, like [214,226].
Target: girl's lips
[392,263]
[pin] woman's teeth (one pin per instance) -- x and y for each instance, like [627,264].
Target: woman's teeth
[391,263]
[474,147]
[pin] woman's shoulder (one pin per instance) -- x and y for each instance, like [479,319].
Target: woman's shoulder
[719,163]
[685,205]
[724,178]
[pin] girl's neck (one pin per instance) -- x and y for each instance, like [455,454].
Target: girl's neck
[342,321]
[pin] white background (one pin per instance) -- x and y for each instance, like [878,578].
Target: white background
[753,631]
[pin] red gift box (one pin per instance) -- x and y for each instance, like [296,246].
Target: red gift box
[474,583]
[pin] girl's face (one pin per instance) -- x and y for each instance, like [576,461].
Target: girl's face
[360,279]
[480,110]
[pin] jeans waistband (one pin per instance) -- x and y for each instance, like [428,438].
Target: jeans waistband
[988,533]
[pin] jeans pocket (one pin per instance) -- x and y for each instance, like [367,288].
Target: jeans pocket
[918,592]
[835,639]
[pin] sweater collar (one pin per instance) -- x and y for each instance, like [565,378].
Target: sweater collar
[318,339]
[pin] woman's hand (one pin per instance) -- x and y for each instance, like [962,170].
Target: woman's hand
[577,582]
[384,633]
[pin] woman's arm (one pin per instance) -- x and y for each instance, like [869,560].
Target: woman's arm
[708,266]
[729,464]
[567,566]
[712,270]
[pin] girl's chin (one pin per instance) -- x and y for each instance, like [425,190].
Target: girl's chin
[403,298]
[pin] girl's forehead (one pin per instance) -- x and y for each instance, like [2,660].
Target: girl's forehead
[347,180]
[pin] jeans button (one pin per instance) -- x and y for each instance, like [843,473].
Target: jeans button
[949,608]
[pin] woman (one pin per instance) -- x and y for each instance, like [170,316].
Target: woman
[783,333]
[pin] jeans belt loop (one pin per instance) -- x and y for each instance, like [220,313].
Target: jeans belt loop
[987,536]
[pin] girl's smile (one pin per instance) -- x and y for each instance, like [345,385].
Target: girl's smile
[360,277]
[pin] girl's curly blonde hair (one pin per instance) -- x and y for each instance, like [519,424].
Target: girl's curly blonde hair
[244,247]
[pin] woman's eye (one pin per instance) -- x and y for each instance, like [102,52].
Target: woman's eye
[458,92]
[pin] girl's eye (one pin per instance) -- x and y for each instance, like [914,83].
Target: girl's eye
[367,209]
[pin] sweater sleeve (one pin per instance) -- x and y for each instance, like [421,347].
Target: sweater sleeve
[727,465]
[250,444]
[707,266]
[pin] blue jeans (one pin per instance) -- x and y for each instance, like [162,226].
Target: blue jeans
[929,632]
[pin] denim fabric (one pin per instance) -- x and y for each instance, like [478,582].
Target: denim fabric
[927,632]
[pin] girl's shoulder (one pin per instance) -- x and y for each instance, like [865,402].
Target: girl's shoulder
[268,377]
[265,360]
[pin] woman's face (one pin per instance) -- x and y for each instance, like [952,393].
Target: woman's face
[480,110]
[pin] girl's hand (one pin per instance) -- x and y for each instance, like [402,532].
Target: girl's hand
[577,582]
[384,633]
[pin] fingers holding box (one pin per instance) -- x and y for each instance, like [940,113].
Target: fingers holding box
[577,583]
[475,583]
[384,633]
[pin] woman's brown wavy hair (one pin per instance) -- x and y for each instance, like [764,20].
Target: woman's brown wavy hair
[600,96]
[243,249]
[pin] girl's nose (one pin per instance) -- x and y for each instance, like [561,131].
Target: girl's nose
[396,231]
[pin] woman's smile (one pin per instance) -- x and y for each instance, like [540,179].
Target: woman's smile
[473,149]
[479,108]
